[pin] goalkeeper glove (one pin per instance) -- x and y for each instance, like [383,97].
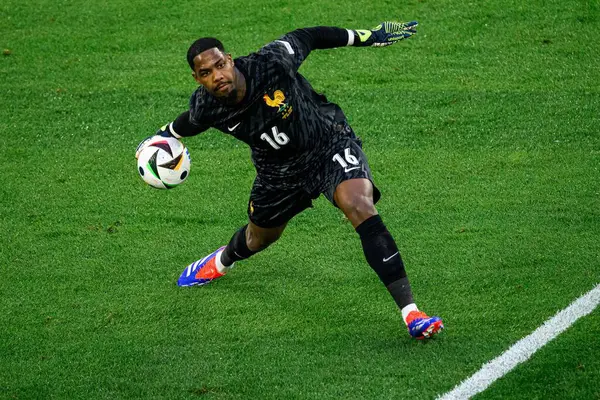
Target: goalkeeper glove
[385,34]
[163,131]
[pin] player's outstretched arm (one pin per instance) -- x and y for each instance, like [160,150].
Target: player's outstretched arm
[293,47]
[385,34]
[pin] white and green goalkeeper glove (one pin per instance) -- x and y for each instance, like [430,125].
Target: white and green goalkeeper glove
[385,34]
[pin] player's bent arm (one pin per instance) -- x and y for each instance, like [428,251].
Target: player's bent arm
[161,132]
[181,127]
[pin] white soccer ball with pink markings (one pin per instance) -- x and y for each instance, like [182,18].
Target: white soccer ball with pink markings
[164,162]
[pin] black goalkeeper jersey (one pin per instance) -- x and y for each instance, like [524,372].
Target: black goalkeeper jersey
[287,125]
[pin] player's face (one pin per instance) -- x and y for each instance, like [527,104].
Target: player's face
[215,71]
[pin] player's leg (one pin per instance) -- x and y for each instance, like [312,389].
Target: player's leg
[351,189]
[355,198]
[269,210]
[249,240]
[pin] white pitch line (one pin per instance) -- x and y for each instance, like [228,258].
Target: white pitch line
[525,348]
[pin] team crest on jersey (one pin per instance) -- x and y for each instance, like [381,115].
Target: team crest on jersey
[278,101]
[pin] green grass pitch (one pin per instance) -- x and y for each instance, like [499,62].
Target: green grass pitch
[482,132]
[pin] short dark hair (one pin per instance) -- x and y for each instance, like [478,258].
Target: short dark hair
[201,45]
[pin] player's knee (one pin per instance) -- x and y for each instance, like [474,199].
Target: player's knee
[358,208]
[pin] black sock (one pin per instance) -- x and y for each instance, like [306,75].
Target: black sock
[383,256]
[237,249]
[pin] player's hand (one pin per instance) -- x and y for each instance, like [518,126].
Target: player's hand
[163,131]
[386,33]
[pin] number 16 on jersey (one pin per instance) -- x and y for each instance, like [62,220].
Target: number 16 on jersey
[349,162]
[279,138]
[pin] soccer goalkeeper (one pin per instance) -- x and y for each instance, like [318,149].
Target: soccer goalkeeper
[302,147]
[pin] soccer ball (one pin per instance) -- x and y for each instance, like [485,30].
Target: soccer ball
[164,162]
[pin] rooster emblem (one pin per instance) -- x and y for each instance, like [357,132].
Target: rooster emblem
[278,102]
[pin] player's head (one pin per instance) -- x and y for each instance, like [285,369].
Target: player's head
[213,67]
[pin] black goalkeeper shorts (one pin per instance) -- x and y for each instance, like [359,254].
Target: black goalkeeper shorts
[271,206]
